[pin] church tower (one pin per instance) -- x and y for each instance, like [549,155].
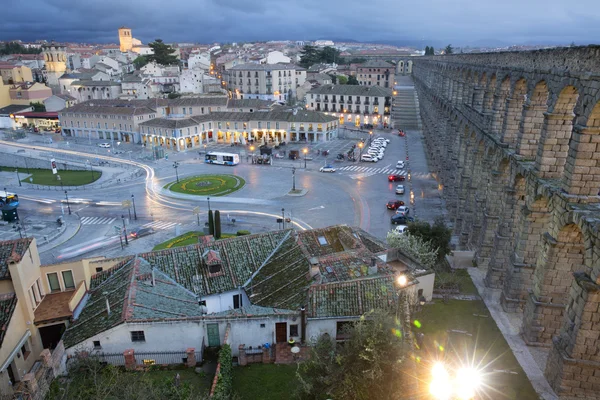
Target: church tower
[55,58]
[125,39]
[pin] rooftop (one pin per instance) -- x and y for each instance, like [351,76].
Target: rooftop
[249,103]
[8,303]
[13,108]
[265,67]
[252,311]
[54,307]
[12,251]
[352,90]
[376,64]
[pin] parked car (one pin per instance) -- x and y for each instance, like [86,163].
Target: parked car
[57,130]
[368,158]
[403,210]
[104,145]
[400,165]
[394,204]
[399,219]
[48,129]
[400,189]
[381,143]
[400,229]
[36,130]
[396,178]
[141,231]
[327,168]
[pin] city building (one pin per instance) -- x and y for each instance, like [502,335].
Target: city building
[125,39]
[13,73]
[376,73]
[4,94]
[84,90]
[275,57]
[55,62]
[59,102]
[264,81]
[353,103]
[7,115]
[25,93]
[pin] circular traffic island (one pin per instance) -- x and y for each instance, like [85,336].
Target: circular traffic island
[207,185]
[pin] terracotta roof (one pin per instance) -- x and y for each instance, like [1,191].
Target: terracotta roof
[376,64]
[8,303]
[249,103]
[320,242]
[95,83]
[352,90]
[12,251]
[208,101]
[350,265]
[54,307]
[251,311]
[265,67]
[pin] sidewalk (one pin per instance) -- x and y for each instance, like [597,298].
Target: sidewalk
[69,229]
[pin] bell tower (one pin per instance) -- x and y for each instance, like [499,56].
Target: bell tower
[55,58]
[125,39]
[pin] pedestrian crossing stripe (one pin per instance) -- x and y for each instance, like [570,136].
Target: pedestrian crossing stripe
[160,224]
[413,176]
[96,220]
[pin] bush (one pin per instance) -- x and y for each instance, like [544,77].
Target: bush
[211,223]
[217,224]
[224,385]
[242,232]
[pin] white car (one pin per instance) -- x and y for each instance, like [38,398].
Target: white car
[400,165]
[400,189]
[400,229]
[105,145]
[327,168]
[381,143]
[403,210]
[368,158]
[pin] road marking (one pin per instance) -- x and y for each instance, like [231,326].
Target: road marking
[316,208]
[161,224]
[96,220]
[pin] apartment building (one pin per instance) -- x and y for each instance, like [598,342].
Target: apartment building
[239,127]
[264,81]
[12,73]
[359,104]
[376,73]
[28,92]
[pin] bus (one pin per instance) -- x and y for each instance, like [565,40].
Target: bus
[7,198]
[214,157]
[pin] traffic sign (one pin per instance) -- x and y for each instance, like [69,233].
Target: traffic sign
[126,203]
[196,210]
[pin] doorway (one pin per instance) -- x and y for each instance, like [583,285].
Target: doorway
[212,331]
[281,332]
[51,335]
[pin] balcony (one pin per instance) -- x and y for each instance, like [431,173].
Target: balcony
[326,100]
[333,101]
[357,102]
[349,101]
[376,103]
[366,103]
[318,99]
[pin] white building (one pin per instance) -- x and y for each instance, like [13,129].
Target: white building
[275,57]
[199,60]
[59,102]
[191,80]
[323,43]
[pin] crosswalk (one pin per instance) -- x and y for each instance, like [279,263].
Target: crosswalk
[357,172]
[161,224]
[96,221]
[107,220]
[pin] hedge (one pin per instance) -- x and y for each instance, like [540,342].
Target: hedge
[242,232]
[224,386]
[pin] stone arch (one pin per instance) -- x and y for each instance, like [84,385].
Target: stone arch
[532,120]
[556,133]
[562,254]
[468,88]
[499,107]
[488,98]
[514,111]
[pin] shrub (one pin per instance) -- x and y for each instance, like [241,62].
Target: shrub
[217,224]
[211,223]
[242,232]
[224,385]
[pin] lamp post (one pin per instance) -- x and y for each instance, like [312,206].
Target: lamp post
[134,213]
[402,282]
[305,150]
[26,165]
[293,178]
[370,137]
[176,165]
[18,178]
[360,146]
[68,206]
[208,200]
[124,229]
[283,217]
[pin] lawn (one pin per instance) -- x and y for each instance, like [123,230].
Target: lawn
[46,177]
[459,278]
[185,240]
[200,383]
[207,185]
[480,335]
[264,381]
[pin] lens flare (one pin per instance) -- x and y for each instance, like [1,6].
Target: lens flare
[468,381]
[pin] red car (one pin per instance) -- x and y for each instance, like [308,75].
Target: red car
[394,204]
[401,133]
[395,178]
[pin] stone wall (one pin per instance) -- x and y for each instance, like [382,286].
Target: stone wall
[15,160]
[514,138]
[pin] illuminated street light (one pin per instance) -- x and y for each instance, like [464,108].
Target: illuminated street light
[463,386]
[305,150]
[402,281]
[468,381]
[440,386]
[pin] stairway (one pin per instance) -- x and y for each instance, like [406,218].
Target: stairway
[405,106]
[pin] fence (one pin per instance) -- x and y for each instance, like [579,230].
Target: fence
[187,357]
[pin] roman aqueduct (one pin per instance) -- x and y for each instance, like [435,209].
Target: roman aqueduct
[514,139]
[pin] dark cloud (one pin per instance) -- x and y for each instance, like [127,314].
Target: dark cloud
[448,21]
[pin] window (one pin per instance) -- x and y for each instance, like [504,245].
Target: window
[184,111]
[341,329]
[24,351]
[97,345]
[237,300]
[68,279]
[276,125]
[98,269]
[259,125]
[214,268]
[262,325]
[268,125]
[53,282]
[138,336]
[322,241]
[294,330]
[190,110]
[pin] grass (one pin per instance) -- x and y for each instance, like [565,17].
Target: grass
[460,277]
[486,345]
[207,185]
[46,177]
[200,383]
[185,240]
[264,381]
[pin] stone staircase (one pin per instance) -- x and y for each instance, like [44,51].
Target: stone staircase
[405,109]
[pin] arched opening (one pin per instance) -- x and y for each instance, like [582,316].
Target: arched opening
[556,134]
[581,171]
[530,128]
[514,112]
[499,107]
[488,98]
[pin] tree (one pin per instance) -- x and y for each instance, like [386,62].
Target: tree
[333,78]
[369,365]
[438,235]
[429,51]
[38,107]
[330,55]
[352,80]
[357,60]
[415,247]
[140,61]
[449,49]
[309,56]
[211,223]
[163,53]
[342,80]
[174,95]
[217,224]
[290,98]
[17,48]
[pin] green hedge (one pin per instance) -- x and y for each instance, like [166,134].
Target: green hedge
[224,386]
[243,232]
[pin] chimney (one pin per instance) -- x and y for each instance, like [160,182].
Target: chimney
[373,267]
[302,324]
[107,303]
[153,280]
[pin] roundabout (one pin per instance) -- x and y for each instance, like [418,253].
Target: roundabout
[207,185]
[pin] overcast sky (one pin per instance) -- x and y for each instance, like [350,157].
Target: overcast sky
[422,21]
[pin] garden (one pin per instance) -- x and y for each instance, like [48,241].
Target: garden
[207,185]
[46,177]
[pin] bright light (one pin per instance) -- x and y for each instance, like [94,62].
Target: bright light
[402,281]
[468,381]
[305,151]
[440,386]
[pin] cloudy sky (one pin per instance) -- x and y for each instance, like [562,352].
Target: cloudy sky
[422,21]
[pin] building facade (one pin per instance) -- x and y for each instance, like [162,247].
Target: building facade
[264,81]
[376,73]
[125,39]
[25,93]
[12,73]
[352,103]
[55,62]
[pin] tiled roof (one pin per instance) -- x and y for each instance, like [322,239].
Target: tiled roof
[252,311]
[351,298]
[349,265]
[338,238]
[100,107]
[13,108]
[78,75]
[170,123]
[54,307]
[352,90]
[372,243]
[95,83]
[249,103]
[100,277]
[265,67]
[207,101]
[12,251]
[8,303]
[376,64]
[283,279]
[65,97]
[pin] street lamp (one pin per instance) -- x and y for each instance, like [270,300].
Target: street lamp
[124,229]
[370,137]
[360,146]
[134,213]
[68,206]
[305,150]
[176,165]
[402,282]
[208,199]
[293,178]
[18,178]
[283,217]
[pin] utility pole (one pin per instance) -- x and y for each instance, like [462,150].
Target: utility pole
[283,216]
[68,206]
[124,229]
[293,178]
[134,213]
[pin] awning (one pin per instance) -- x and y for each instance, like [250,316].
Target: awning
[32,114]
[17,348]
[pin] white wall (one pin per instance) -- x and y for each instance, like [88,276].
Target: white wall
[275,57]
[191,81]
[426,283]
[224,301]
